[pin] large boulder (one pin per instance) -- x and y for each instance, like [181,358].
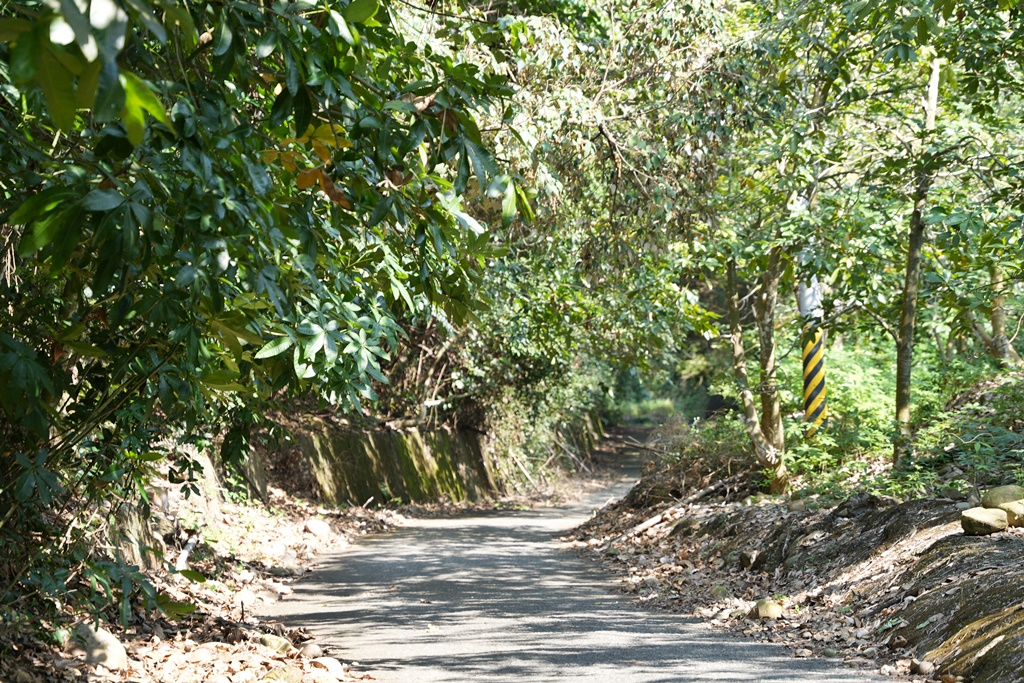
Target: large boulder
[767,609]
[993,498]
[1014,512]
[983,521]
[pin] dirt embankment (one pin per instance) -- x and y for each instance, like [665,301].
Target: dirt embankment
[897,587]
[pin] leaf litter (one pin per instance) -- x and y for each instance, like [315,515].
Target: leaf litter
[872,582]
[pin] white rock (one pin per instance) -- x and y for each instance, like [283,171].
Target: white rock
[317,527]
[245,598]
[278,588]
[311,651]
[102,647]
[332,665]
[275,549]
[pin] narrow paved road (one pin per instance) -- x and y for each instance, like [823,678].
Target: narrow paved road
[497,597]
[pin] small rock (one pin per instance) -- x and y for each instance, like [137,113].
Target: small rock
[747,558]
[332,665]
[719,591]
[804,652]
[317,527]
[767,609]
[652,582]
[245,598]
[963,505]
[797,505]
[311,651]
[22,676]
[982,521]
[951,492]
[723,615]
[286,570]
[921,666]
[101,647]
[319,677]
[275,549]
[993,498]
[278,588]
[887,670]
[285,674]
[1014,512]
[276,643]
[830,653]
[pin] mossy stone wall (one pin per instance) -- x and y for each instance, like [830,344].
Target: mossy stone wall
[353,466]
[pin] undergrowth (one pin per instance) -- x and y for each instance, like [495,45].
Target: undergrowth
[969,431]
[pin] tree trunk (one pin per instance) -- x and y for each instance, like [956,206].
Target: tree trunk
[770,457]
[903,443]
[1000,344]
[764,309]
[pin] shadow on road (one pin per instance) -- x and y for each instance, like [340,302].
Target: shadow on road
[498,598]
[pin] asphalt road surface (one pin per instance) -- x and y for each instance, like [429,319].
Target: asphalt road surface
[497,597]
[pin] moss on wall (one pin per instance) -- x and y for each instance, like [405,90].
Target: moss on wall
[353,466]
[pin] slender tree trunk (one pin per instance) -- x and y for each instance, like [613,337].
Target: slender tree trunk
[903,443]
[771,408]
[1001,347]
[770,457]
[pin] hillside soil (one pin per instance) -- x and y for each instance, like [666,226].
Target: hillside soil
[895,587]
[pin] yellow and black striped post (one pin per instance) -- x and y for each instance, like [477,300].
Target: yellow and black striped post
[815,405]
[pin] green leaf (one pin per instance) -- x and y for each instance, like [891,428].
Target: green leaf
[303,111]
[340,29]
[24,58]
[222,380]
[138,99]
[174,608]
[258,176]
[275,348]
[267,44]
[192,575]
[102,200]
[483,164]
[222,41]
[359,11]
[186,276]
[229,327]
[508,205]
[110,95]
[44,231]
[10,28]
[56,82]
[85,349]
[38,204]
[88,82]
[181,18]
[524,205]
[145,11]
